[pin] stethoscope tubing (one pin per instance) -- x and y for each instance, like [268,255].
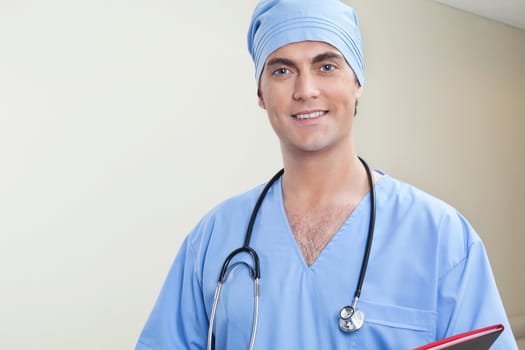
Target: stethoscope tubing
[216,298]
[249,229]
[371,227]
[256,270]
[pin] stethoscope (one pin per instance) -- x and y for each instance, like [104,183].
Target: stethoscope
[350,318]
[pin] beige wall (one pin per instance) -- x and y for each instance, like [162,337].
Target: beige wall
[444,109]
[122,122]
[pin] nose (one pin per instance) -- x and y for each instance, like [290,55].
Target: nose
[306,87]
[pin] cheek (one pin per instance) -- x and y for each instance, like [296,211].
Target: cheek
[276,125]
[344,94]
[276,113]
[275,102]
[275,93]
[274,116]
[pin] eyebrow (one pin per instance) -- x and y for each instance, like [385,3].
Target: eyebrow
[319,58]
[277,61]
[327,56]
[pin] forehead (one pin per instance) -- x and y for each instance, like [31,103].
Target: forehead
[303,49]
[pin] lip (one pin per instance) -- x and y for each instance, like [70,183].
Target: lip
[310,116]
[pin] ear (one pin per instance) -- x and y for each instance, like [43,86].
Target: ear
[358,91]
[260,100]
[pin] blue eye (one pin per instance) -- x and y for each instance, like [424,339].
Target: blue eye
[327,68]
[281,71]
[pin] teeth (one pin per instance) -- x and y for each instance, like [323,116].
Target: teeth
[310,115]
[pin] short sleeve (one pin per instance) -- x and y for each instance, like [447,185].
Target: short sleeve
[468,297]
[178,319]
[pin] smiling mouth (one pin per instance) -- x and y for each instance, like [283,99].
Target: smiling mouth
[311,115]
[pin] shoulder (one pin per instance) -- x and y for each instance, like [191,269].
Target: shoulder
[426,220]
[406,196]
[235,207]
[226,220]
[394,194]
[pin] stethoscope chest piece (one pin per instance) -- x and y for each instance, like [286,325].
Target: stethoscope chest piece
[350,319]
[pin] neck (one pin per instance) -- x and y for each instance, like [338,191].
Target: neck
[322,181]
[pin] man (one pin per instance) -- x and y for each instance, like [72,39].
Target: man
[427,276]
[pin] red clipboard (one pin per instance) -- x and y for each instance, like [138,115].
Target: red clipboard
[478,339]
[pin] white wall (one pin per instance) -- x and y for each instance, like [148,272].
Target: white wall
[122,122]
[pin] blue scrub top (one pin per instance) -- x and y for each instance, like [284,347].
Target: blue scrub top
[428,278]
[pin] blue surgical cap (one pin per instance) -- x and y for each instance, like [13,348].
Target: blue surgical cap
[276,23]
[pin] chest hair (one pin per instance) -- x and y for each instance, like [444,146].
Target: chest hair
[314,230]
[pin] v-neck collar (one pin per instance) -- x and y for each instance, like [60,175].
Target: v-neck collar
[360,212]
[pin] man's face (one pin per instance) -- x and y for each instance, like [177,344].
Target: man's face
[309,92]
